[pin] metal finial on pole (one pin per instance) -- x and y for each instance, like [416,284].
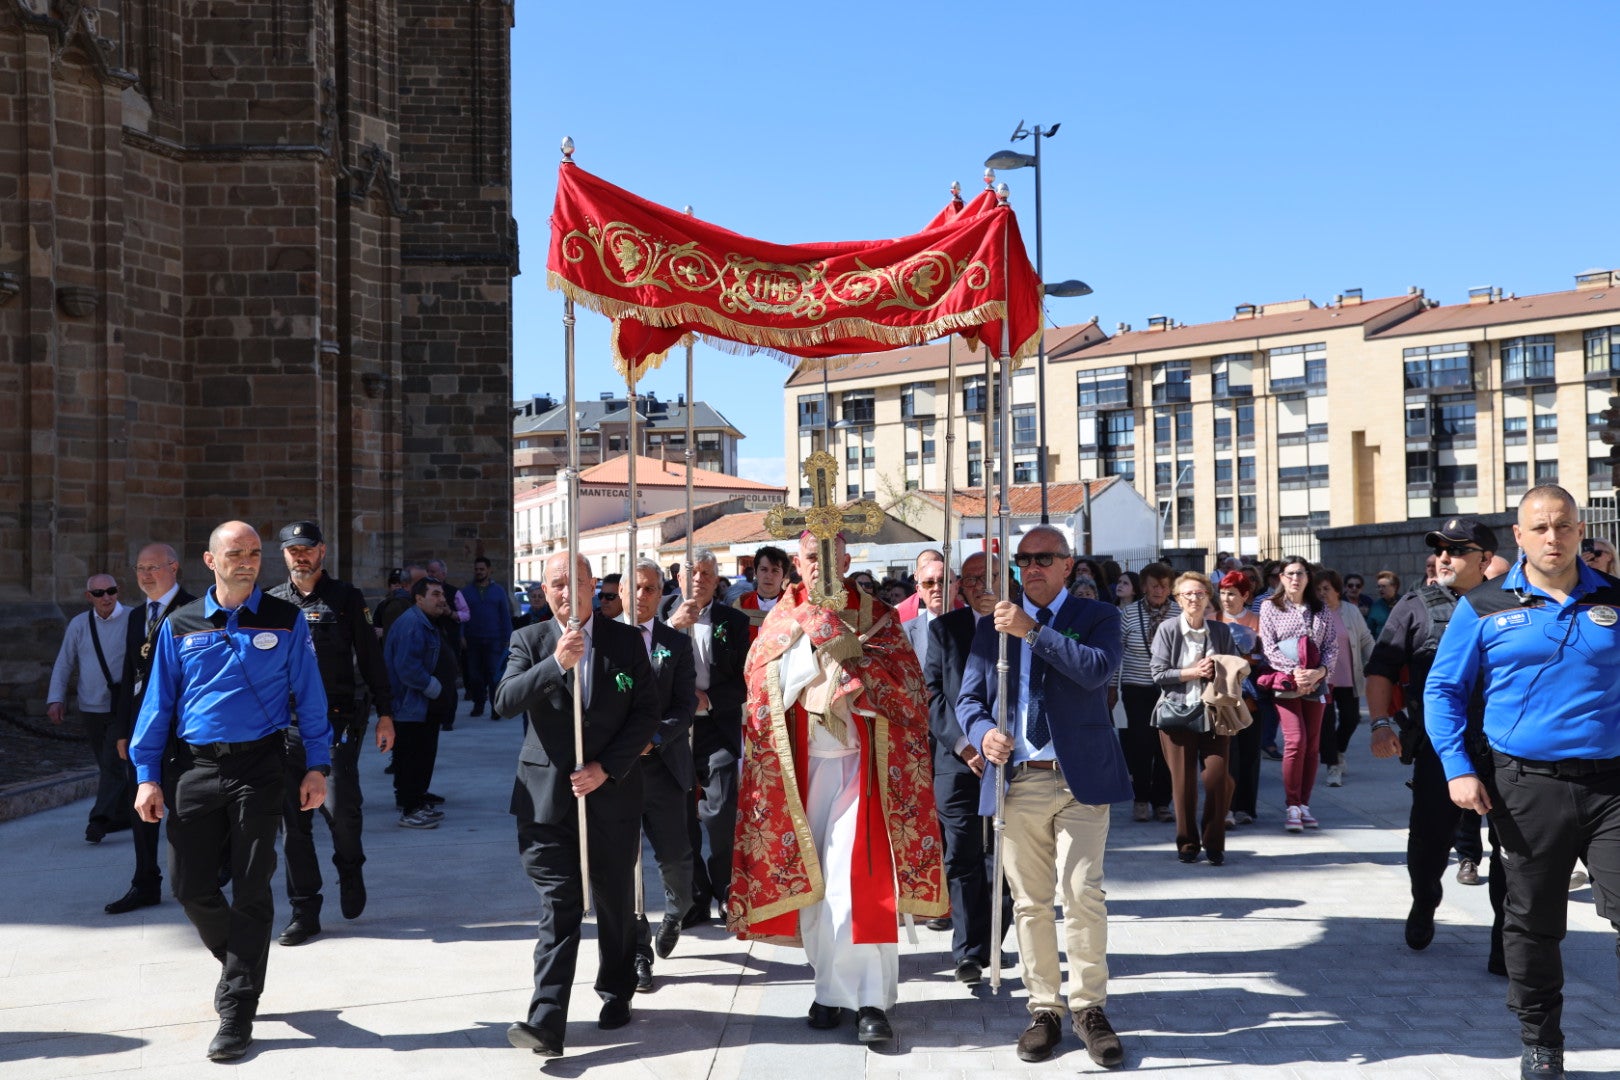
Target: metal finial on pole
[568,149]
[1003,193]
[989,178]
[571,396]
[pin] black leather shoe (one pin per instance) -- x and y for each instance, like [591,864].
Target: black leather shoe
[614,1014]
[1041,1037]
[95,832]
[669,932]
[825,1017]
[644,983]
[1216,858]
[430,799]
[1541,1063]
[1188,854]
[1419,927]
[1098,1035]
[871,1026]
[969,972]
[135,898]
[231,1042]
[352,893]
[528,1037]
[477,710]
[698,916]
[939,924]
[300,930]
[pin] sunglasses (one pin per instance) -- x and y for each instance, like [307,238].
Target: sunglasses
[99,593]
[930,583]
[609,596]
[1457,551]
[1043,558]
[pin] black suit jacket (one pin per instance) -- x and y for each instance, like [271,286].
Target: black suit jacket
[677,701]
[950,641]
[619,720]
[136,668]
[727,690]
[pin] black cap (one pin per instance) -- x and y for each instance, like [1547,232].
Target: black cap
[1463,530]
[300,534]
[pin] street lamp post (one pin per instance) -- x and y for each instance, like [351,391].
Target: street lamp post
[1013,159]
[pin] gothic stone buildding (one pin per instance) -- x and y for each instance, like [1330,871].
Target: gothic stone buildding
[256,262]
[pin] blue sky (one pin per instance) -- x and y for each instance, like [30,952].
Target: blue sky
[1210,154]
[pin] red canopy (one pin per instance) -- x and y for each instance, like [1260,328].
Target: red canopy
[661,275]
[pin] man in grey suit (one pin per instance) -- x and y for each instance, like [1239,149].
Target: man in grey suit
[930,604]
[620,701]
[667,770]
[1063,769]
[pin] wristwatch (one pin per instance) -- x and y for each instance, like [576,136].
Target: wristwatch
[324,770]
[1383,722]
[1033,636]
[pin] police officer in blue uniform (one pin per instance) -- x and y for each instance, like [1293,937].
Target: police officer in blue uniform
[340,626]
[1541,646]
[230,673]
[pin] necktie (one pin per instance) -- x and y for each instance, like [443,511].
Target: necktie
[1039,732]
[646,638]
[151,617]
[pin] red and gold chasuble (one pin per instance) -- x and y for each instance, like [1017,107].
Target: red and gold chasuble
[898,863]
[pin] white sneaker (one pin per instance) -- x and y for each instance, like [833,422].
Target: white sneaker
[1335,776]
[1243,818]
[1307,820]
[1578,879]
[1292,822]
[1231,822]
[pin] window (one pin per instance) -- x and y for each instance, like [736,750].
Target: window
[1515,425]
[708,440]
[859,406]
[1232,375]
[975,446]
[1245,421]
[1161,475]
[852,453]
[1302,476]
[1118,429]
[1603,351]
[852,491]
[1295,367]
[1528,357]
[806,497]
[1417,468]
[1246,514]
[975,472]
[1516,474]
[973,395]
[1599,474]
[1103,387]
[1184,514]
[1439,367]
[1246,470]
[1223,513]
[1172,381]
[1546,423]
[1546,472]
[1223,470]
[1024,472]
[916,399]
[1023,418]
[1161,426]
[1452,475]
[926,433]
[810,414]
[1184,427]
[1223,429]
[1453,418]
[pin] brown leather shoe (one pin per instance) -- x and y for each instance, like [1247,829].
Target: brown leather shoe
[1041,1037]
[1098,1035]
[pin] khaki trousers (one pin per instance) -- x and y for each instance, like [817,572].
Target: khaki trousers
[1051,840]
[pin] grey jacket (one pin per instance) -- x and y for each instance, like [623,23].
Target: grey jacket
[1166,654]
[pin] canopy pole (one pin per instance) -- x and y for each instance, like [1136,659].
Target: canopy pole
[1003,667]
[950,438]
[691,459]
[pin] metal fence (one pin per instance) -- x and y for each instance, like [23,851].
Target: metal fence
[1602,519]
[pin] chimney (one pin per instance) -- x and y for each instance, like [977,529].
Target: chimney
[1246,311]
[1596,278]
[1413,290]
[606,395]
[1158,322]
[680,399]
[1122,328]
[1351,297]
[1481,294]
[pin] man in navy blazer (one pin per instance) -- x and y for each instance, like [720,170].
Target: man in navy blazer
[1062,767]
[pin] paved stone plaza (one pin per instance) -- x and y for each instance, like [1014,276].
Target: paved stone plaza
[1286,962]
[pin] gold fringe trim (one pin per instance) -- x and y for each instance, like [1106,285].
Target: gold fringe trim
[782,743]
[742,337]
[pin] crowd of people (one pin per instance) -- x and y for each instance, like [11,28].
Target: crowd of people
[814,769]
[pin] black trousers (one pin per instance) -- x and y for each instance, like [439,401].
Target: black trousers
[1150,777]
[229,806]
[969,865]
[416,750]
[712,816]
[665,819]
[1339,722]
[341,811]
[550,856]
[486,663]
[1244,766]
[1545,823]
[148,868]
[114,796]
[1429,834]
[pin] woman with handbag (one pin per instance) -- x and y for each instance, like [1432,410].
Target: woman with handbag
[1301,642]
[1183,667]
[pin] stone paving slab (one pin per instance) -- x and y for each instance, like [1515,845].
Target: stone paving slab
[1288,962]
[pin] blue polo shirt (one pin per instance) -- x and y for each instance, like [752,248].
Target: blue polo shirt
[1549,672]
[231,675]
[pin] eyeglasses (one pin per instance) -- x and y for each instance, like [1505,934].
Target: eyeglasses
[1041,558]
[1457,551]
[930,583]
[99,593]
[609,596]
[971,579]
[1194,594]
[1296,573]
[866,586]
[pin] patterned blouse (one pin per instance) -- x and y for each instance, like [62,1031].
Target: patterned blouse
[1278,625]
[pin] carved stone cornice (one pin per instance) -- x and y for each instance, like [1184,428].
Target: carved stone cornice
[74,22]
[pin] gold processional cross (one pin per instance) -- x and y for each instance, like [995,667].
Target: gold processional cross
[824,519]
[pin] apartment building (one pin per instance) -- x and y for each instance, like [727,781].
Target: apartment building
[1251,433]
[540,434]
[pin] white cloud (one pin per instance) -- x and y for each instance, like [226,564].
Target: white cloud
[766,470]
